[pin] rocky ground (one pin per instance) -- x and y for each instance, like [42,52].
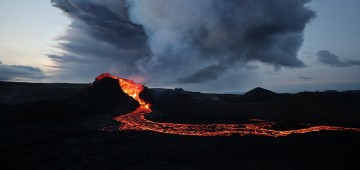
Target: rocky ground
[62,129]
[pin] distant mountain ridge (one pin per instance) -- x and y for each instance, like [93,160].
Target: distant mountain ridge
[61,100]
[259,91]
[18,92]
[257,94]
[260,94]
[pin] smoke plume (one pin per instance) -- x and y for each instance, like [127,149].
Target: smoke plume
[183,41]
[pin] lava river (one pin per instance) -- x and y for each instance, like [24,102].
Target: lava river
[136,120]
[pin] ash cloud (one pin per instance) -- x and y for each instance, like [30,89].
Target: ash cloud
[187,41]
[19,72]
[222,33]
[328,58]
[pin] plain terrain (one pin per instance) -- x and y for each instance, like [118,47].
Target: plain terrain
[59,126]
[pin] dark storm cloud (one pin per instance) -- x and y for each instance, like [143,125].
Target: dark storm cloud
[12,72]
[103,23]
[333,60]
[101,38]
[189,41]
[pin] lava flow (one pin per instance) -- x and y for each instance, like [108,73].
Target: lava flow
[136,120]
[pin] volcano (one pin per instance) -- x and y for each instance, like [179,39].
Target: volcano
[137,121]
[115,122]
[105,92]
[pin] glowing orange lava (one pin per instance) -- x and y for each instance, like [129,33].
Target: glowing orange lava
[136,121]
[129,87]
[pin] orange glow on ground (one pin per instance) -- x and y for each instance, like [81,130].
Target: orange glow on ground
[136,121]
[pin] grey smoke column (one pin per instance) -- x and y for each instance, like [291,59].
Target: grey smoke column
[182,41]
[220,34]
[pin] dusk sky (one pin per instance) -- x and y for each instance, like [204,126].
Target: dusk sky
[198,45]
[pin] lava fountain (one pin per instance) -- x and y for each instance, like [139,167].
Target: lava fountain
[136,120]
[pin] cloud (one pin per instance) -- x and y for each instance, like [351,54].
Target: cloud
[222,33]
[19,72]
[208,73]
[305,78]
[333,60]
[353,62]
[187,41]
[100,39]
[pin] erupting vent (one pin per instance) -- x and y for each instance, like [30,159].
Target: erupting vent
[136,120]
[129,87]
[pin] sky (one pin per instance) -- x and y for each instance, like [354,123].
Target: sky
[198,45]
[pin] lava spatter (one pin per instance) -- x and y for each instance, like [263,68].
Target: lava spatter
[136,120]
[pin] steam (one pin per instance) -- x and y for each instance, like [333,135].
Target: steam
[221,34]
[183,41]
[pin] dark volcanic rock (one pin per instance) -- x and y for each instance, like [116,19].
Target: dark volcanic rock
[146,96]
[166,96]
[68,133]
[105,92]
[102,98]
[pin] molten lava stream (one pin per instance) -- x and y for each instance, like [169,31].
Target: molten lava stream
[136,120]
